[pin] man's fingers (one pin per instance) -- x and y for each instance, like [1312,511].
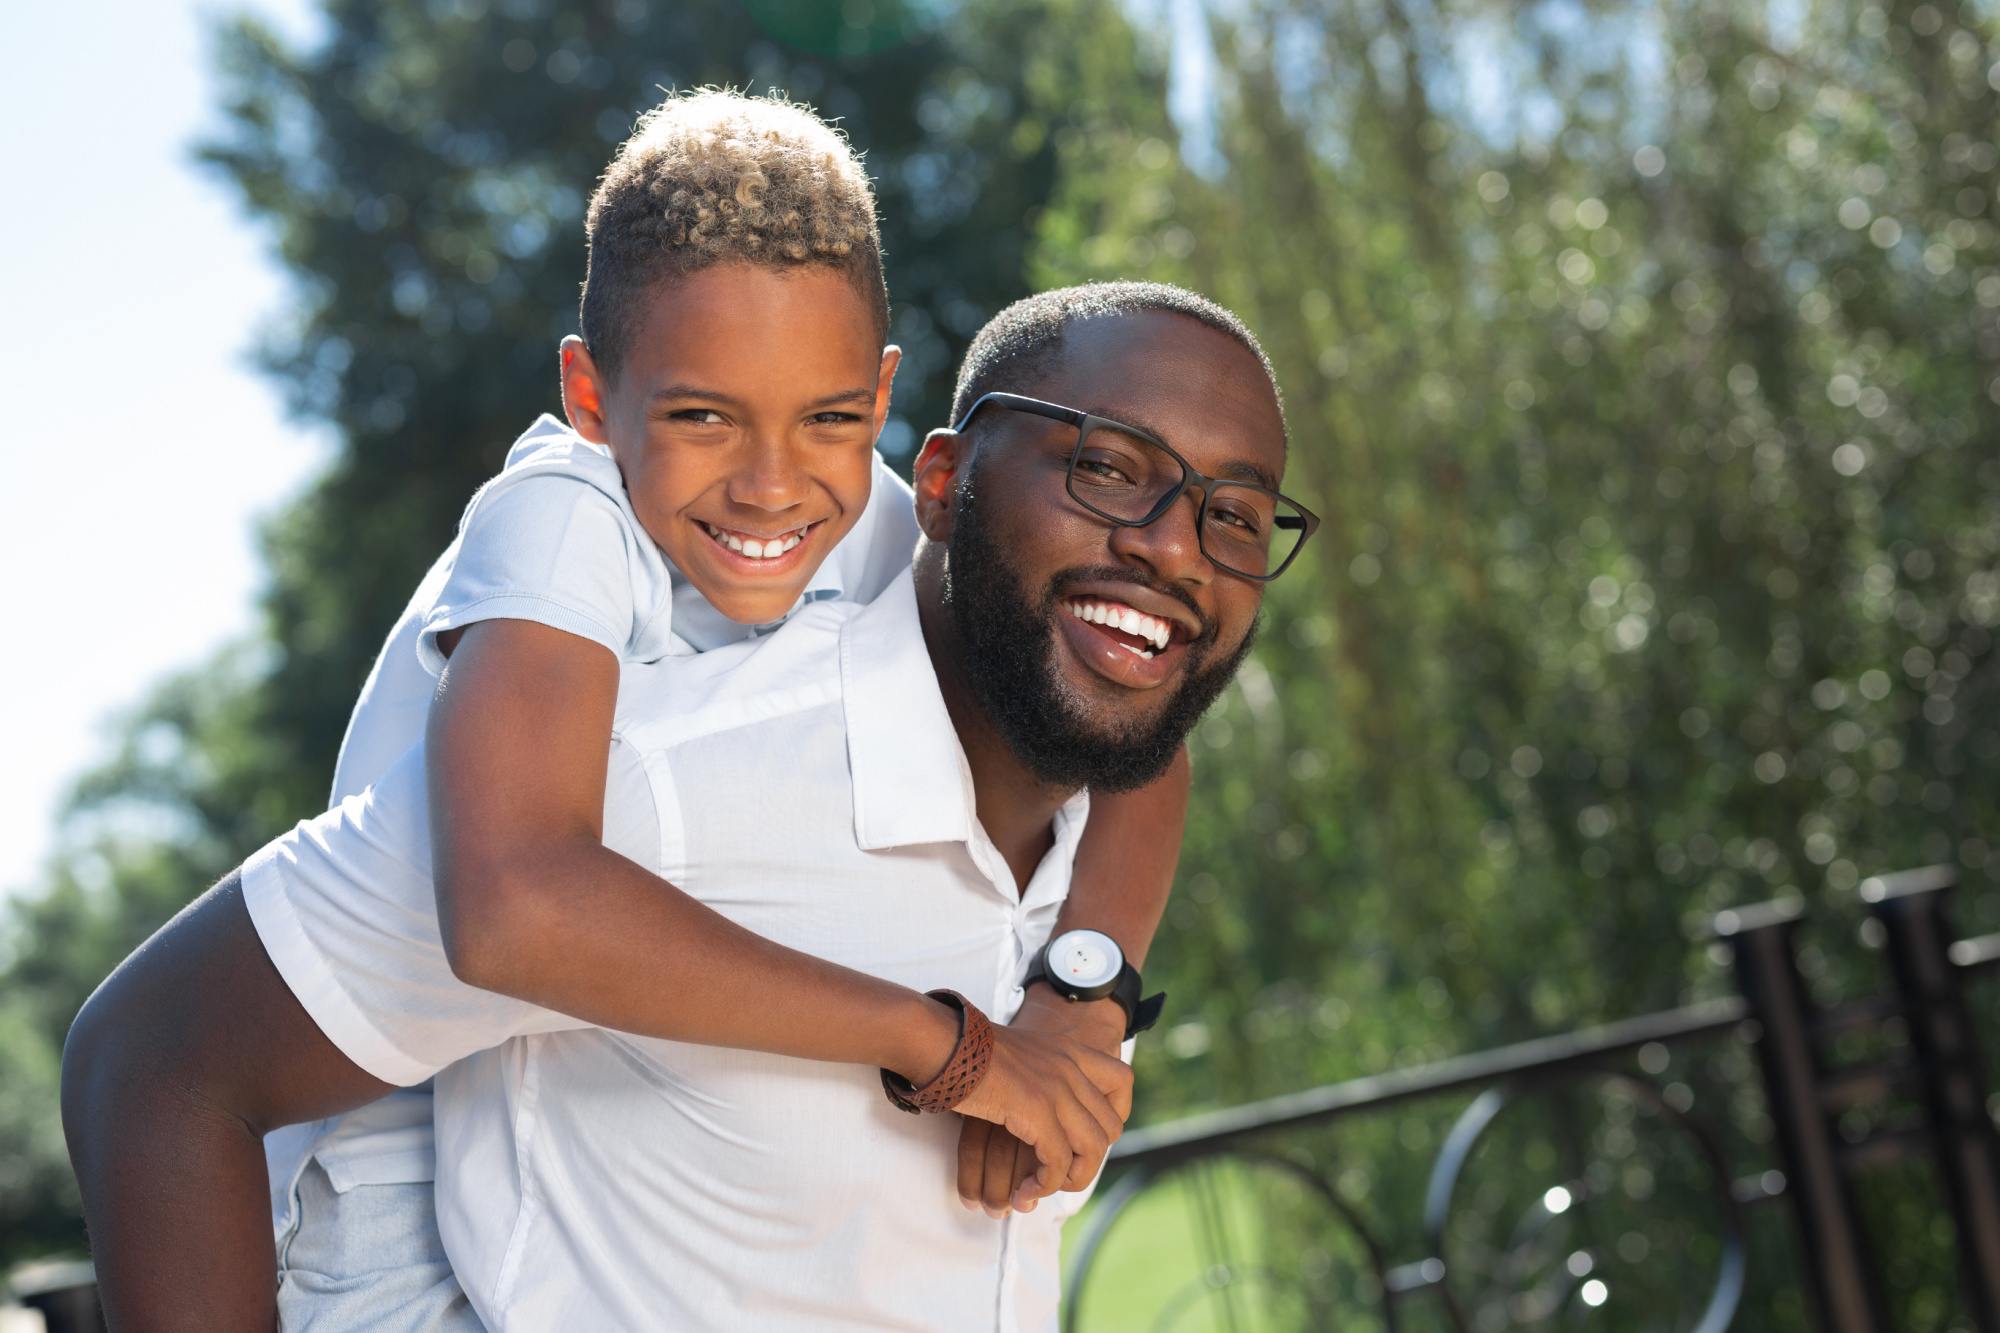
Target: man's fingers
[997,1182]
[1101,1108]
[1087,1134]
[1026,1193]
[1110,1076]
[1053,1151]
[973,1136]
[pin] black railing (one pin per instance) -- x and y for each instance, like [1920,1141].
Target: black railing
[1543,1269]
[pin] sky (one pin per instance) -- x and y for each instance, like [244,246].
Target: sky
[143,445]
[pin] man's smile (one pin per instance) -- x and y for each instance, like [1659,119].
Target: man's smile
[1127,646]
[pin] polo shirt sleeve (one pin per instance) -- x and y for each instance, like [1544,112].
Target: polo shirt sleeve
[345,907]
[548,546]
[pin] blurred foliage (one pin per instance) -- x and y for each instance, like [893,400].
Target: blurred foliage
[1639,355]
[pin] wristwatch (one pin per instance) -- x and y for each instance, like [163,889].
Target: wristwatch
[1089,965]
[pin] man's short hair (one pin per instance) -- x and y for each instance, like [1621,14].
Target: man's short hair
[715,177]
[1021,342]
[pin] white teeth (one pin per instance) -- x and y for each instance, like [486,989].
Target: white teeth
[769,548]
[1154,630]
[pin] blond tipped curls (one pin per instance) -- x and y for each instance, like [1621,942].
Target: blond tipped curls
[714,177]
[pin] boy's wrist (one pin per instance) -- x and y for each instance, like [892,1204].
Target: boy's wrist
[924,1036]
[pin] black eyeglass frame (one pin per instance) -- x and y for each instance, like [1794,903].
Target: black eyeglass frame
[1190,478]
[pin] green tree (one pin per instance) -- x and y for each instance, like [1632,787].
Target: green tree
[1638,356]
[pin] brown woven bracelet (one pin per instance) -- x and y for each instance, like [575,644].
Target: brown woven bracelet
[961,1073]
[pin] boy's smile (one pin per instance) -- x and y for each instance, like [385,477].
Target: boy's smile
[744,421]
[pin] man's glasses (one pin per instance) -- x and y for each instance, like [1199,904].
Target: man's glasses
[1132,477]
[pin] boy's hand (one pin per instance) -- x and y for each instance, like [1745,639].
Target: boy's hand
[996,1170]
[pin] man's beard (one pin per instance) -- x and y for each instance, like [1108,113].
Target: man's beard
[1009,662]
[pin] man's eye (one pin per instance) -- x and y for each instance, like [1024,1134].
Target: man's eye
[1235,518]
[1101,470]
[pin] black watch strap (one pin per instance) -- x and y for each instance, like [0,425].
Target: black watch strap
[1148,1013]
[1140,1014]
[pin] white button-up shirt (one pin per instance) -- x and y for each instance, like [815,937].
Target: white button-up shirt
[809,786]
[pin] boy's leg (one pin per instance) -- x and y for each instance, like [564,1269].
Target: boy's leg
[368,1259]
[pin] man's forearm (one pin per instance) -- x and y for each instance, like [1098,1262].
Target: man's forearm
[1126,862]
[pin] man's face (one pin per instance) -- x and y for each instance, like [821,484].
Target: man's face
[1081,701]
[744,421]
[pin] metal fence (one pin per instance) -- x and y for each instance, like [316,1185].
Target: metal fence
[1925,1056]
[1929,1058]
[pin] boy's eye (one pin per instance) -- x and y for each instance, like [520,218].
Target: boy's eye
[700,416]
[833,418]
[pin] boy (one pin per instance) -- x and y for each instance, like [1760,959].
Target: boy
[725,396]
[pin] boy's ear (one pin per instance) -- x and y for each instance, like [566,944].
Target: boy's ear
[935,480]
[583,392]
[892,356]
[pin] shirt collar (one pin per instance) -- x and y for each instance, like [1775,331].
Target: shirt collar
[911,780]
[704,627]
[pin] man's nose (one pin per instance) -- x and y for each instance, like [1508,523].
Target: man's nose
[769,474]
[1169,546]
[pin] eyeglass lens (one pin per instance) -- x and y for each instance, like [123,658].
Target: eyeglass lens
[1129,478]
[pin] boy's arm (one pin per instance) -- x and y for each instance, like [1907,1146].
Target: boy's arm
[172,1073]
[1124,871]
[533,905]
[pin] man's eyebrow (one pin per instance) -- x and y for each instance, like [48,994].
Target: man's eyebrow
[1241,471]
[1235,470]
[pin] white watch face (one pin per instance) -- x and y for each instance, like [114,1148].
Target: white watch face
[1085,958]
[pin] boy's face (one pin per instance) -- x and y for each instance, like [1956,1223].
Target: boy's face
[744,421]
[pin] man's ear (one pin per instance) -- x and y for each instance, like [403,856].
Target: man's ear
[892,356]
[583,392]
[935,480]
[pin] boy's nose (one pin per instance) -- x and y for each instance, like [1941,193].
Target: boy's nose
[770,477]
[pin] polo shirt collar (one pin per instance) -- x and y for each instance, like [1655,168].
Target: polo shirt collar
[912,783]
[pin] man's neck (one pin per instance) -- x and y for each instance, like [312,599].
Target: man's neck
[1016,808]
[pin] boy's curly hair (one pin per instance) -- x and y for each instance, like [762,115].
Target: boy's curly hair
[715,177]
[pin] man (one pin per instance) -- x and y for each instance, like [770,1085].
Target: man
[896,789]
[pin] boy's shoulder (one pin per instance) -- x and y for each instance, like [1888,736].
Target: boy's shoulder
[550,447]
[550,469]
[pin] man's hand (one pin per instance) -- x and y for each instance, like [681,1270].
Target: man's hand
[996,1169]
[1056,1095]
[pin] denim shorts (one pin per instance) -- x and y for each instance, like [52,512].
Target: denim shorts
[368,1259]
